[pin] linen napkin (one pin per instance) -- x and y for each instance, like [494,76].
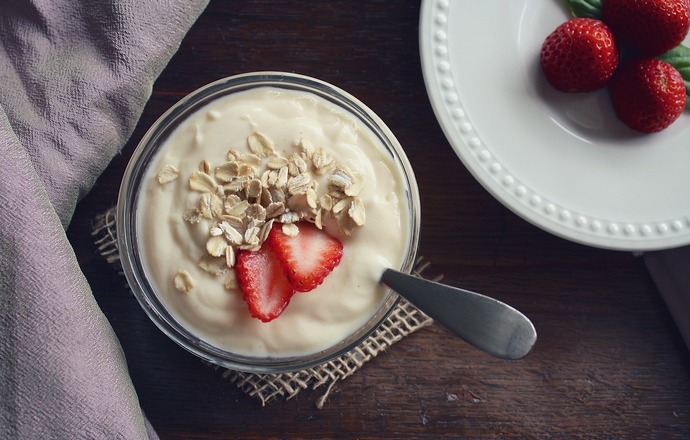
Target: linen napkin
[669,269]
[74,78]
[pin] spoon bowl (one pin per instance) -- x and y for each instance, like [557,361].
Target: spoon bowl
[486,323]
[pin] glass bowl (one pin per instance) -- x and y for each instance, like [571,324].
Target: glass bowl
[129,233]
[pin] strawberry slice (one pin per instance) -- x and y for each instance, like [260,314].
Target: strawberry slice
[308,257]
[264,285]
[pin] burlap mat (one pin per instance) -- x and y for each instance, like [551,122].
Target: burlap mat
[403,320]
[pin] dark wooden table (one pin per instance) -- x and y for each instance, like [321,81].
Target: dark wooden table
[609,362]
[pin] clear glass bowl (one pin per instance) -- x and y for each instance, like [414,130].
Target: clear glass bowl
[127,234]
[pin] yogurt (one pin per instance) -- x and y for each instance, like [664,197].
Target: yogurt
[170,244]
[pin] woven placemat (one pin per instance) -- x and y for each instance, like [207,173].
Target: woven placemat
[268,388]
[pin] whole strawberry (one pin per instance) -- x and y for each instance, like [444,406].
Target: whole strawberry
[647,94]
[651,27]
[580,55]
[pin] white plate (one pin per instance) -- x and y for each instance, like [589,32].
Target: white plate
[561,161]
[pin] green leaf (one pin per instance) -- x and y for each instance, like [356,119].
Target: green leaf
[585,8]
[679,57]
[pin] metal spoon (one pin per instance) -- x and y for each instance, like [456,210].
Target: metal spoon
[486,323]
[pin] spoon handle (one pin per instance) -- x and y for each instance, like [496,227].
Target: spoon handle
[484,322]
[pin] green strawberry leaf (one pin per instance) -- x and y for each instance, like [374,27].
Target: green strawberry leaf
[585,8]
[679,57]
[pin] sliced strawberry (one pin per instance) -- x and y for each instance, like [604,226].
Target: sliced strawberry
[264,285]
[308,257]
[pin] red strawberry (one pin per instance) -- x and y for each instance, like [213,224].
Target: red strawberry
[580,55]
[648,94]
[308,257]
[264,285]
[651,27]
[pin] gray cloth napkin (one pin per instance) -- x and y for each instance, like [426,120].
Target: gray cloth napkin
[669,269]
[74,78]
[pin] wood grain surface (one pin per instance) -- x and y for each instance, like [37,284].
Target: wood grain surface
[609,361]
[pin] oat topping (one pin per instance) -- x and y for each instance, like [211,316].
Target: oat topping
[356,211]
[260,145]
[216,246]
[205,167]
[202,182]
[290,229]
[167,174]
[231,280]
[183,281]
[213,265]
[242,197]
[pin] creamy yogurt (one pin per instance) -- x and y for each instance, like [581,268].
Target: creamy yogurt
[315,320]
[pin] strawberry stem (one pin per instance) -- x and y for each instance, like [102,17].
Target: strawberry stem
[585,8]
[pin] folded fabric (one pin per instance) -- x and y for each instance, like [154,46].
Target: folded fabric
[669,268]
[74,78]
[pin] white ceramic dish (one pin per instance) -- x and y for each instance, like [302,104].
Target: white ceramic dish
[561,161]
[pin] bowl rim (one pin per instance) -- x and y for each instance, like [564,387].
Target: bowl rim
[146,150]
